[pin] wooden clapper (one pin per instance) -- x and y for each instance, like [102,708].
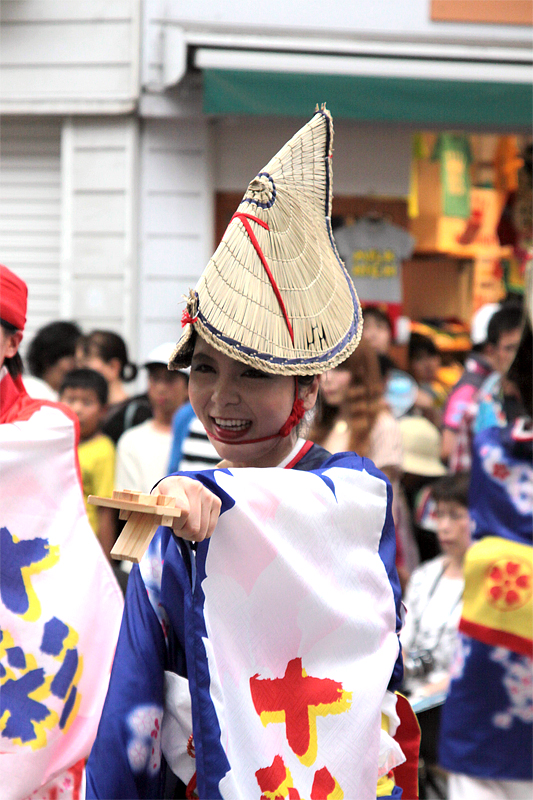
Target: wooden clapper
[144,514]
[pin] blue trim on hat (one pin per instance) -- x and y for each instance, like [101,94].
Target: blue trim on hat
[274,193]
[326,356]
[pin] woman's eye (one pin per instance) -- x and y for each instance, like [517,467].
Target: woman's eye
[255,373]
[202,368]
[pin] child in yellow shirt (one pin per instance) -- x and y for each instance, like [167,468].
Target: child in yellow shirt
[85,391]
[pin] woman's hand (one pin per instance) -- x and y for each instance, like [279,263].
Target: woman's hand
[200,507]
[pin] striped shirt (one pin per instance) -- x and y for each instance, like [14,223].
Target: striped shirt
[197,452]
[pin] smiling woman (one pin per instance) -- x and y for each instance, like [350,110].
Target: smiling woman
[243,408]
[291,610]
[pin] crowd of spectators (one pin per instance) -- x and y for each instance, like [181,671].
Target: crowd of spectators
[412,423]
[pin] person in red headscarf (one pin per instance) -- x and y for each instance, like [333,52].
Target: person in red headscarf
[13,301]
[58,623]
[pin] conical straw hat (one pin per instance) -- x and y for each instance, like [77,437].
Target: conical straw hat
[276,294]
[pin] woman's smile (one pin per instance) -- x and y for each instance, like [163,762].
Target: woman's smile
[230,429]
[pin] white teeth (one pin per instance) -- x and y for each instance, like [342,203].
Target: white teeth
[233,424]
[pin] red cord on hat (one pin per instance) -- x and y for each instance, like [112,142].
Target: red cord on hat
[244,219]
[186,318]
[294,418]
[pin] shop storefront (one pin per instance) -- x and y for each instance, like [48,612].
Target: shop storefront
[460,233]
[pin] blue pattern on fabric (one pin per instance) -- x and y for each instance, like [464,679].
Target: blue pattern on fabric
[23,711]
[64,677]
[67,708]
[13,557]
[471,740]
[55,632]
[16,657]
[487,719]
[110,769]
[501,488]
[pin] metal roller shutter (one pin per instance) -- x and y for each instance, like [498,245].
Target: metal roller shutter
[30,212]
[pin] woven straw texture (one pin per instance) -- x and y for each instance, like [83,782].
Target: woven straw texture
[303,318]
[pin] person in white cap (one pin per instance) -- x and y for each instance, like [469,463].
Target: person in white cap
[256,663]
[143,451]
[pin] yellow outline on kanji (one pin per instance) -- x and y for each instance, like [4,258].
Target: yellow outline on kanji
[50,560]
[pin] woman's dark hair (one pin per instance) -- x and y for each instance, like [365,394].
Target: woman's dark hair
[14,363]
[385,365]
[507,318]
[421,345]
[452,489]
[86,379]
[363,403]
[520,371]
[108,345]
[51,343]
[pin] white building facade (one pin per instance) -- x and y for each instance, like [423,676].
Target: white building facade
[121,120]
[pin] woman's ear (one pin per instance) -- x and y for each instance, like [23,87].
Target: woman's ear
[308,394]
[115,366]
[13,341]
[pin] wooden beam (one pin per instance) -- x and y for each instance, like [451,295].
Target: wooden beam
[144,514]
[493,12]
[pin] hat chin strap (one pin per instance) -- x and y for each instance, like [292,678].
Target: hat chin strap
[293,419]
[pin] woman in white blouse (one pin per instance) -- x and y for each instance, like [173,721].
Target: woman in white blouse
[433,598]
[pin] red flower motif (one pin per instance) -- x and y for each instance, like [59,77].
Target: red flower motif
[500,472]
[509,583]
[512,597]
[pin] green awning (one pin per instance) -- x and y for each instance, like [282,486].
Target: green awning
[419,101]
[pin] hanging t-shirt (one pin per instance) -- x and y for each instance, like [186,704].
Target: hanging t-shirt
[455,156]
[373,251]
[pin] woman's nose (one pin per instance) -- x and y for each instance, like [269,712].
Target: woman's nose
[443,525]
[225,391]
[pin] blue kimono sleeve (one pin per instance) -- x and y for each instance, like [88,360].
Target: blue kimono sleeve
[125,762]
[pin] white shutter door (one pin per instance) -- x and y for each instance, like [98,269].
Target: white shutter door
[30,212]
[176,223]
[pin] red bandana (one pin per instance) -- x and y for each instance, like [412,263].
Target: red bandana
[13,298]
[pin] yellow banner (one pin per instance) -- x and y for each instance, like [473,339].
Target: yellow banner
[497,607]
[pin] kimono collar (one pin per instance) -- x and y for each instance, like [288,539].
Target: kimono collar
[15,403]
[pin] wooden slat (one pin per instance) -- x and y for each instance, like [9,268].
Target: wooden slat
[136,535]
[496,12]
[109,502]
